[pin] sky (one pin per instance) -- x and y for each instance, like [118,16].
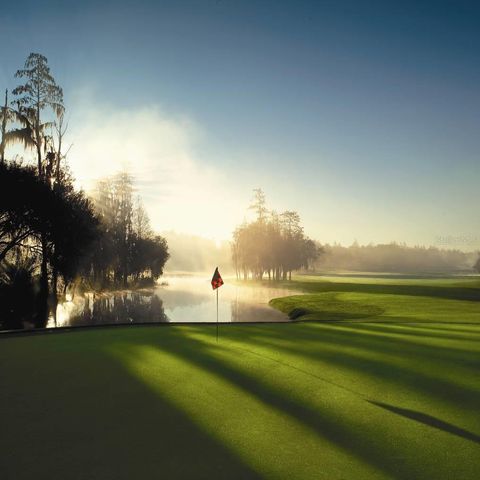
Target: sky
[363,116]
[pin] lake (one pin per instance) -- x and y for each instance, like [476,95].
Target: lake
[176,299]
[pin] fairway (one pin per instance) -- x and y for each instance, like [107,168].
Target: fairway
[390,389]
[438,300]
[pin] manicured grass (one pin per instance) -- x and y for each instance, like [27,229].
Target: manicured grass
[386,300]
[312,400]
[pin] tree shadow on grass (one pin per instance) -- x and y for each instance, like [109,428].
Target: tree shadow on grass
[86,416]
[418,331]
[446,328]
[384,340]
[374,356]
[429,420]
[365,447]
[417,368]
[350,440]
[403,341]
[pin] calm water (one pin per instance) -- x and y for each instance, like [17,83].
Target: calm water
[184,299]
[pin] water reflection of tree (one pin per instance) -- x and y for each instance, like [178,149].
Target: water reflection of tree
[128,307]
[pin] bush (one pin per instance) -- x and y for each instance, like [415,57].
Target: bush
[17,295]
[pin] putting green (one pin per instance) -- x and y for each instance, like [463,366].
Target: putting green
[341,400]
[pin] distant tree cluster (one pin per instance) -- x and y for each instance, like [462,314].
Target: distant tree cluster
[126,250]
[393,257]
[273,245]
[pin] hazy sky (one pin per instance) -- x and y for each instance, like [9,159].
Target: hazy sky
[363,116]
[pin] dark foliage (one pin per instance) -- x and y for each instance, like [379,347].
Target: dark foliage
[26,204]
[73,232]
[126,251]
[17,293]
[36,219]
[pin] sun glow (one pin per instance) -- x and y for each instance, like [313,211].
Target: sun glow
[179,192]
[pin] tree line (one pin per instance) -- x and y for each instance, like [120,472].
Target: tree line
[50,232]
[272,245]
[394,257]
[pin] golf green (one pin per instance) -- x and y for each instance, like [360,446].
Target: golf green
[390,390]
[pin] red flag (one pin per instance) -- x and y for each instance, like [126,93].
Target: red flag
[216,279]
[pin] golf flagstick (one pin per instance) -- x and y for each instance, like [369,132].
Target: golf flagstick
[216,282]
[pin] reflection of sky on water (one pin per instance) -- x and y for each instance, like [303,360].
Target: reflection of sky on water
[183,299]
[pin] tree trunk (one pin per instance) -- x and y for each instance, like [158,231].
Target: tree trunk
[38,140]
[54,294]
[42,310]
[4,129]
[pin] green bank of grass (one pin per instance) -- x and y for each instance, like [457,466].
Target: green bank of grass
[302,400]
[449,300]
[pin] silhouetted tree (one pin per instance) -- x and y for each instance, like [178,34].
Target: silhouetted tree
[72,233]
[7,115]
[33,215]
[149,256]
[56,146]
[17,292]
[38,94]
[24,201]
[159,256]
